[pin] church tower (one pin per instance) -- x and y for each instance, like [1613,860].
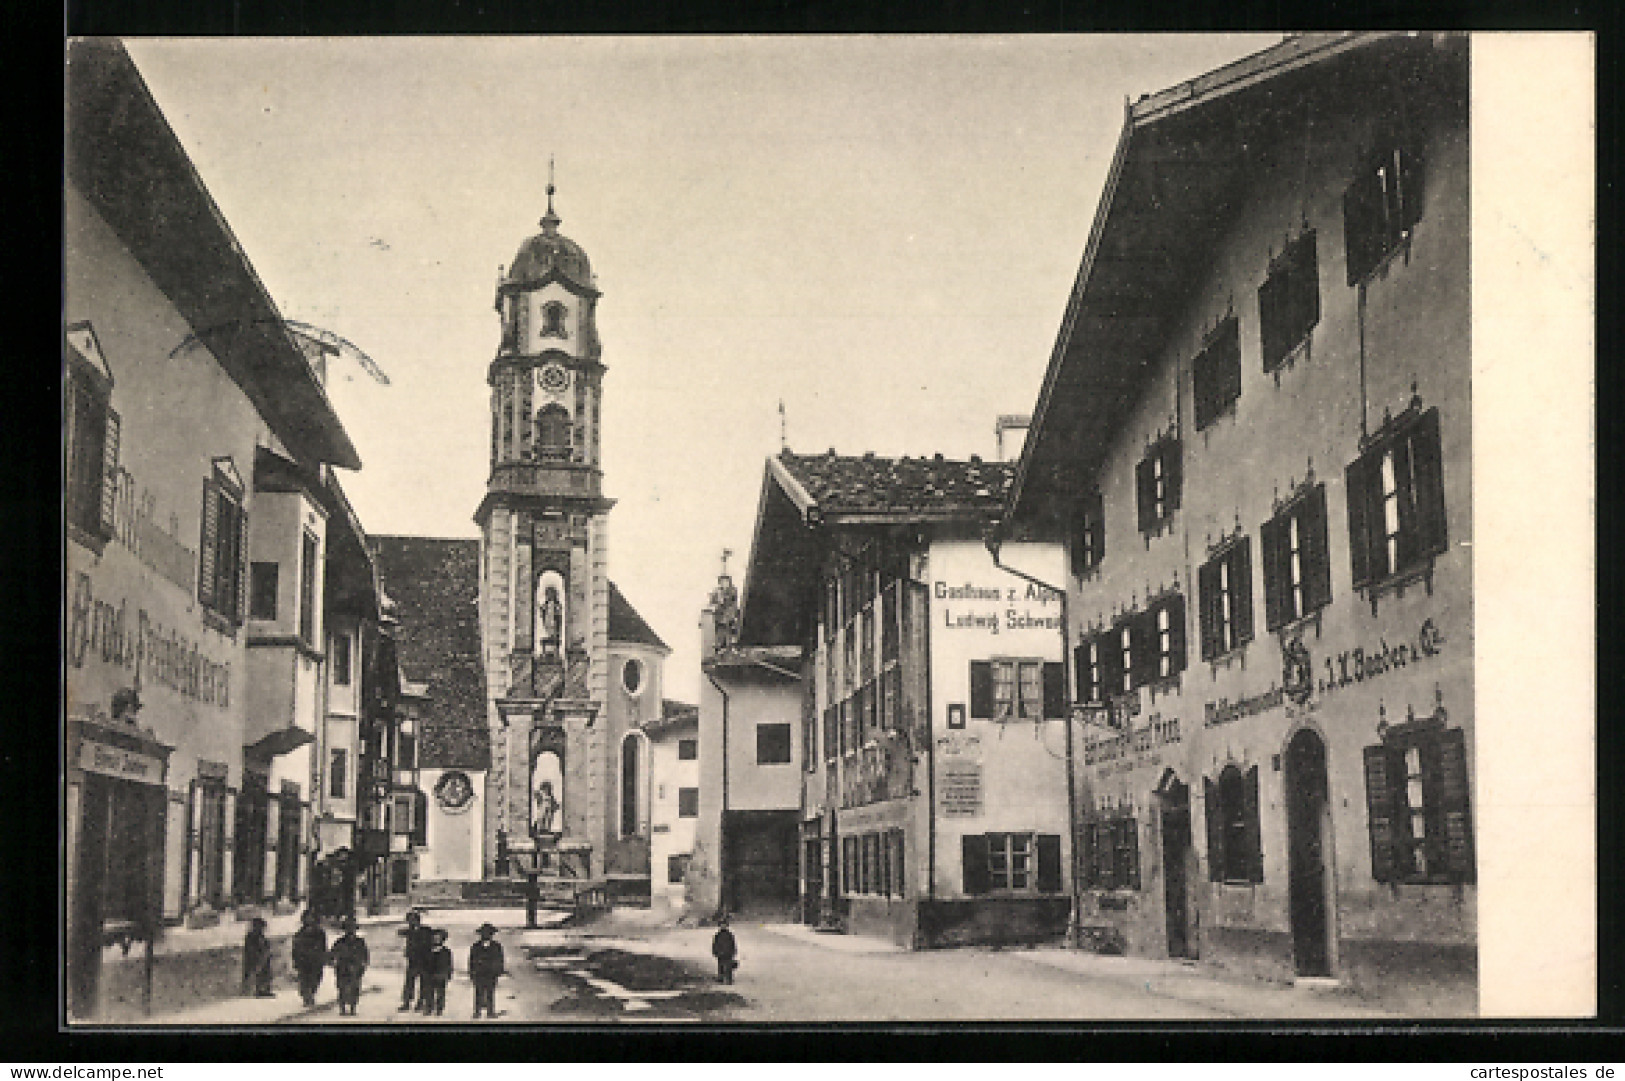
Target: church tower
[544,592]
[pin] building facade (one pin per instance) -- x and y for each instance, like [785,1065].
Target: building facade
[188,783]
[674,799]
[1254,437]
[932,720]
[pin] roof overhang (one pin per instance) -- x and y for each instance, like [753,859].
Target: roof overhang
[1175,182]
[124,158]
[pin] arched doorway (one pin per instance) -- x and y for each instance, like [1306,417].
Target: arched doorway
[1308,878]
[1176,848]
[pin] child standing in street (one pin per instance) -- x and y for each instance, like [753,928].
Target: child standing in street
[436,973]
[485,964]
[725,950]
[309,955]
[257,960]
[349,956]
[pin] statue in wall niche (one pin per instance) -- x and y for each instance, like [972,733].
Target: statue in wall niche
[547,783]
[549,614]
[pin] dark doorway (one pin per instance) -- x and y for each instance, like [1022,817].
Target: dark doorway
[1306,868]
[760,864]
[1176,847]
[812,879]
[253,818]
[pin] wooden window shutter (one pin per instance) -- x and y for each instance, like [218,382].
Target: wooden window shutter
[1379,811]
[1097,525]
[207,544]
[1455,805]
[1082,689]
[1079,546]
[109,491]
[420,818]
[1212,606]
[1275,538]
[1427,470]
[1366,558]
[1146,646]
[1049,863]
[981,689]
[1312,551]
[241,570]
[1145,486]
[1241,589]
[1173,471]
[1175,605]
[1410,186]
[1305,284]
[1255,849]
[1131,846]
[1274,317]
[1213,812]
[973,856]
[1084,868]
[1363,229]
[1110,645]
[1409,547]
[1054,689]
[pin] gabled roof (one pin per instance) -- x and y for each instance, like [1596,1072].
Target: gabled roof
[674,717]
[625,625]
[1177,180]
[124,158]
[804,496]
[435,586]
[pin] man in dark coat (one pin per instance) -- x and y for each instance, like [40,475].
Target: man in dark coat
[725,950]
[257,960]
[437,965]
[349,956]
[309,955]
[485,964]
[419,941]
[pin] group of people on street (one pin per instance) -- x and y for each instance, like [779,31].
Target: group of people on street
[429,964]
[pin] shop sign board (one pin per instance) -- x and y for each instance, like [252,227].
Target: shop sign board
[117,762]
[961,786]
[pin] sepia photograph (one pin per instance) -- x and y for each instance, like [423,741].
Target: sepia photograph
[778,530]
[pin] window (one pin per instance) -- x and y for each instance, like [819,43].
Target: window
[1089,534]
[553,432]
[1017,690]
[632,676]
[402,823]
[341,660]
[1417,805]
[1233,850]
[92,444]
[631,785]
[1381,206]
[1088,671]
[1226,585]
[1023,862]
[832,732]
[849,865]
[772,744]
[677,867]
[1217,374]
[688,750]
[406,751]
[1297,565]
[1396,500]
[553,320]
[262,590]
[899,877]
[1164,631]
[809,722]
[1289,301]
[1157,480]
[338,766]
[223,570]
[688,803]
[308,556]
[1109,853]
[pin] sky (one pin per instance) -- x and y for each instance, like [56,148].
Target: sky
[878,232]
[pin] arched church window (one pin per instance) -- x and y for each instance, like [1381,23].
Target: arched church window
[553,432]
[631,784]
[553,314]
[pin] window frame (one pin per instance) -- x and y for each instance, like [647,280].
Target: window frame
[264,584]
[222,584]
[1225,593]
[1159,484]
[1443,851]
[692,745]
[338,773]
[1048,693]
[1289,301]
[1381,207]
[1089,534]
[1234,832]
[685,794]
[309,560]
[1396,533]
[554,314]
[1109,852]
[341,663]
[1297,561]
[92,446]
[774,731]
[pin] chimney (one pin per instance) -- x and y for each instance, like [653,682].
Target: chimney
[1010,422]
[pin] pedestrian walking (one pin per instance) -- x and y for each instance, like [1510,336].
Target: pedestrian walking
[309,955]
[256,960]
[437,965]
[349,957]
[725,950]
[419,941]
[485,964]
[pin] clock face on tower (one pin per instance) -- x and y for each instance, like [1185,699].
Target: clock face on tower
[555,379]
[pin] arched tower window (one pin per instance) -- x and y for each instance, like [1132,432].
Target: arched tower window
[631,784]
[553,432]
[553,314]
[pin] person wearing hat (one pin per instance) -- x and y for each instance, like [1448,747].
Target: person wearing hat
[257,960]
[437,966]
[309,955]
[725,950]
[419,941]
[349,957]
[485,964]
